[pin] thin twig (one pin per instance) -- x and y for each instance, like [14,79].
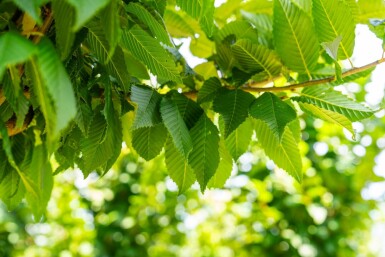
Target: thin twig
[310,83]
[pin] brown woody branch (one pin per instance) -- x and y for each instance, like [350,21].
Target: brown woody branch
[310,83]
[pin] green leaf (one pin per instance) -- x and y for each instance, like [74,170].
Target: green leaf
[111,25]
[284,153]
[137,68]
[14,49]
[329,99]
[29,185]
[209,90]
[233,105]
[201,10]
[40,176]
[58,85]
[294,36]
[115,64]
[178,167]
[150,52]
[238,141]
[14,95]
[255,58]
[85,10]
[147,113]
[64,15]
[274,112]
[190,110]
[155,24]
[224,169]
[175,125]
[114,135]
[332,19]
[240,29]
[330,116]
[82,119]
[262,22]
[176,25]
[96,149]
[204,157]
[32,7]
[331,48]
[149,141]
[11,189]
[371,9]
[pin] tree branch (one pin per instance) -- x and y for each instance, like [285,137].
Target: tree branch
[310,83]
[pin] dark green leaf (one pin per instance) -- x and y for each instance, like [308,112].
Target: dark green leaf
[209,90]
[274,112]
[147,49]
[178,167]
[238,141]
[204,157]
[149,141]
[284,153]
[233,105]
[175,125]
[147,113]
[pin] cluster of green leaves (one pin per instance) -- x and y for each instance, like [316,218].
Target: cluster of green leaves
[82,71]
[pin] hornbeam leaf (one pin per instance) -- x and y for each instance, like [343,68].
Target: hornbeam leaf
[147,113]
[253,57]
[201,10]
[204,157]
[284,153]
[111,25]
[64,15]
[175,125]
[209,90]
[332,19]
[238,141]
[233,105]
[115,64]
[224,169]
[240,29]
[12,189]
[14,49]
[16,98]
[114,135]
[150,52]
[155,24]
[330,116]
[40,174]
[176,25]
[59,87]
[96,149]
[190,110]
[85,10]
[327,98]
[148,142]
[294,36]
[274,112]
[82,119]
[6,143]
[262,22]
[178,167]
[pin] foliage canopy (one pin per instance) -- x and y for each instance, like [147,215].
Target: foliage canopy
[78,78]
